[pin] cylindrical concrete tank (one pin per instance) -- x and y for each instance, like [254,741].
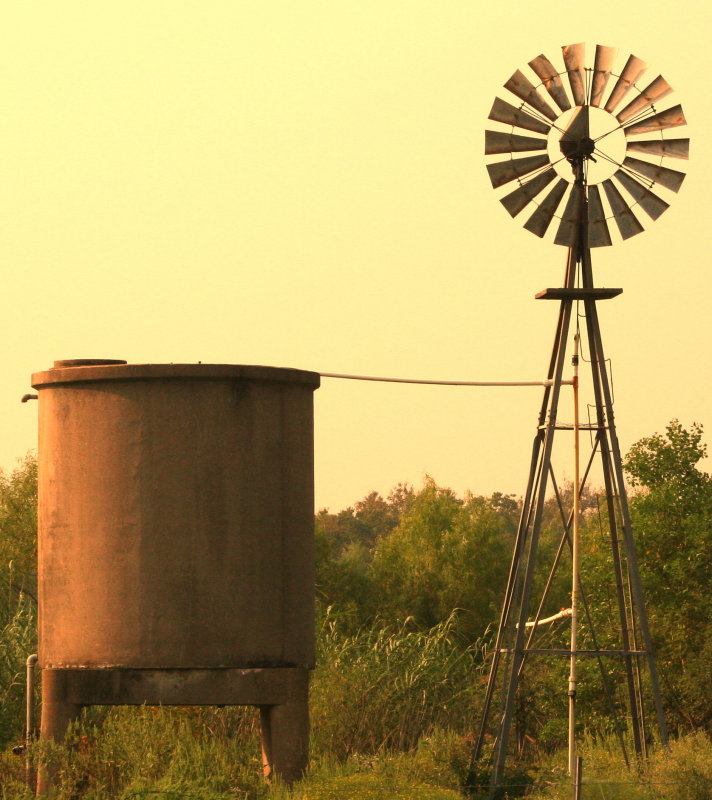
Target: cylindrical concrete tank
[175,516]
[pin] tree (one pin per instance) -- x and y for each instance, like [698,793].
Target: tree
[672,522]
[446,554]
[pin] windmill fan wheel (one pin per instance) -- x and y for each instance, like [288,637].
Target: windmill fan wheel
[586,136]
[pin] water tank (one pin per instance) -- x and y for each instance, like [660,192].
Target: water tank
[175,516]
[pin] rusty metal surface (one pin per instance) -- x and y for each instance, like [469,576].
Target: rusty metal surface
[598,233]
[602,66]
[571,219]
[672,148]
[497,142]
[655,91]
[510,115]
[505,171]
[626,220]
[539,221]
[551,79]
[522,87]
[176,516]
[632,72]
[574,56]
[517,200]
[670,118]
[653,205]
[669,178]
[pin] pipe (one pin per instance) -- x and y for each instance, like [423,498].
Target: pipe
[30,717]
[565,612]
[574,570]
[548,382]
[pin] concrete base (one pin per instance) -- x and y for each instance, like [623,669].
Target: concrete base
[285,731]
[57,712]
[281,693]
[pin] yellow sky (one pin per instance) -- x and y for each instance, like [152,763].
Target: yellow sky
[302,184]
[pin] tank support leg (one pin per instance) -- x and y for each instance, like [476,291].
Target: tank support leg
[285,731]
[57,713]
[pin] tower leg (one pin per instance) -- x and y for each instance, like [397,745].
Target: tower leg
[285,731]
[57,713]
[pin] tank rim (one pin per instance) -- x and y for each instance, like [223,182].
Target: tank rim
[132,372]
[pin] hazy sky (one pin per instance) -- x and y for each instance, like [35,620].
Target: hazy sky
[302,184]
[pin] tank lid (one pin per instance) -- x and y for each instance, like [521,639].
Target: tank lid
[87,362]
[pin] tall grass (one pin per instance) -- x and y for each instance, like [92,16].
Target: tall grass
[384,705]
[681,772]
[383,688]
[391,709]
[17,641]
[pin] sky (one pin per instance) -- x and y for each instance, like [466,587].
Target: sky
[303,184]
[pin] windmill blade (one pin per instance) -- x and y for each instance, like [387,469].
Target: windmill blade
[601,72]
[653,205]
[626,220]
[504,171]
[574,55]
[598,233]
[510,115]
[540,219]
[551,79]
[496,142]
[632,71]
[669,178]
[520,85]
[570,225]
[671,118]
[658,89]
[674,148]
[517,200]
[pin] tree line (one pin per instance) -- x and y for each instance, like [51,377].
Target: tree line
[426,557]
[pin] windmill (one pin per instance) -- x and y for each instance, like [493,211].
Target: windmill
[603,130]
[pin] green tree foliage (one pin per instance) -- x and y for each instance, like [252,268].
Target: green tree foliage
[417,555]
[18,528]
[446,554]
[344,551]
[18,589]
[672,521]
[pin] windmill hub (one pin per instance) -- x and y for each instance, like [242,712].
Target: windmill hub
[601,165]
[578,148]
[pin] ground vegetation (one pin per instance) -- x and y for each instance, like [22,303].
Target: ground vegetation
[408,593]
